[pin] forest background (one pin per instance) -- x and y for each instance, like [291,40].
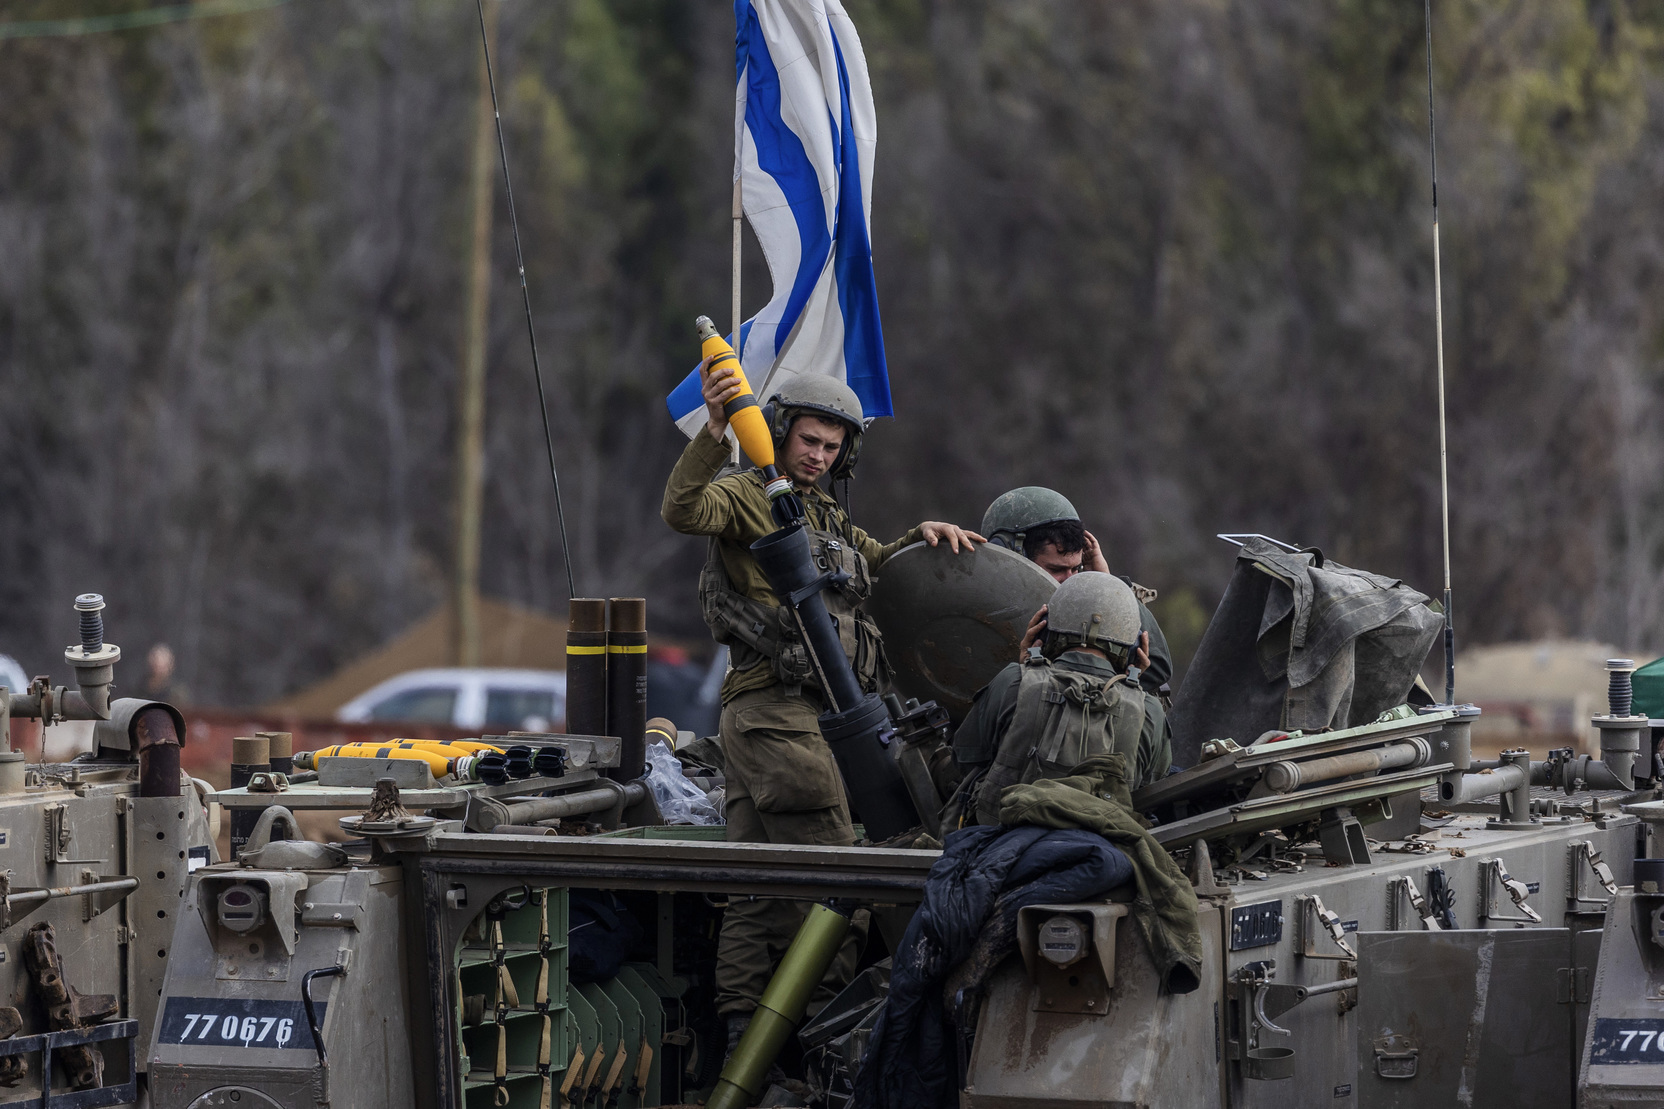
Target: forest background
[1172,258]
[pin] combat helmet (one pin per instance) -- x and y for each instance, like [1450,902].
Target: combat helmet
[1014,513]
[1093,609]
[822,396]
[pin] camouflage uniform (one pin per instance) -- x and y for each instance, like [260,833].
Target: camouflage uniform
[782,783]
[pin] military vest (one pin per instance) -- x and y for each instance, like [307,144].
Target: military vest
[756,633]
[1062,718]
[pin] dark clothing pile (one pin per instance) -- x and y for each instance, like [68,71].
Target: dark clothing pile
[966,926]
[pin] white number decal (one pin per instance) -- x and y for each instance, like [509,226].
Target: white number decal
[246,1033]
[1628,1036]
[285,1028]
[265,1028]
[191,1019]
[228,1028]
[209,1023]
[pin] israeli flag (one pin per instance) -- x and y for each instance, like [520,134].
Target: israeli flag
[804,134]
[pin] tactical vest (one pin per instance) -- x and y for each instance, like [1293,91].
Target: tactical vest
[1062,718]
[755,633]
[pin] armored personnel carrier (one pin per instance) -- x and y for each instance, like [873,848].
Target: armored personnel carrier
[1385,919]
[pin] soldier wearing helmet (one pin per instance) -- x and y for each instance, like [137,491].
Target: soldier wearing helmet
[783,786]
[1044,715]
[1044,527]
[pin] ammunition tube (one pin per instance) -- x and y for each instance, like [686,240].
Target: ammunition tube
[781,1008]
[282,748]
[627,684]
[250,755]
[586,666]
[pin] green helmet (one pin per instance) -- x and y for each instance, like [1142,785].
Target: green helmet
[1014,513]
[824,396]
[1093,609]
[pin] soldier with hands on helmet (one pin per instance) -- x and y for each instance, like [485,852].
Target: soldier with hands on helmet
[1072,699]
[1042,525]
[782,783]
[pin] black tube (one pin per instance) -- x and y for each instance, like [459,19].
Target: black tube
[250,755]
[786,563]
[857,727]
[627,684]
[311,1011]
[586,666]
[861,739]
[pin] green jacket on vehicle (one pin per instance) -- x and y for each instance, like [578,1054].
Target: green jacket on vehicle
[1098,798]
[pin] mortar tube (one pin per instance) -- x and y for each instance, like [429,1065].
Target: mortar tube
[788,565]
[781,1008]
[250,755]
[282,749]
[627,684]
[158,742]
[586,666]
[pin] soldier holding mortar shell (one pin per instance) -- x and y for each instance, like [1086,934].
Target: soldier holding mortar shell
[783,783]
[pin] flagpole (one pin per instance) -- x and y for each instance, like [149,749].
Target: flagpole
[738,216]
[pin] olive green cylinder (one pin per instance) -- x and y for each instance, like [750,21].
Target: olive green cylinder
[781,1009]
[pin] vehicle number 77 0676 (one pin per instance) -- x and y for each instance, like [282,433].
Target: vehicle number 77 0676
[247,1031]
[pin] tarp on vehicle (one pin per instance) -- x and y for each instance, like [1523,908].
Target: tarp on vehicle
[1300,643]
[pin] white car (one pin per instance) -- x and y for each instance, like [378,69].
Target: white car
[490,701]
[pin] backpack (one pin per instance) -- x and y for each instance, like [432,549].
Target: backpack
[1062,719]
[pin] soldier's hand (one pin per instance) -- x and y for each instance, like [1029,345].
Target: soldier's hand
[1141,654]
[935,531]
[1036,628]
[718,389]
[1093,557]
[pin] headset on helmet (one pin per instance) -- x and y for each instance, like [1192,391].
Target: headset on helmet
[1014,513]
[819,395]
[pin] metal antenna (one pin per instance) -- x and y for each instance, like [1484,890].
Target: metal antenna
[526,299]
[1438,318]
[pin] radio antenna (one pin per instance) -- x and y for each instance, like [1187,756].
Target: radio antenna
[526,299]
[1438,325]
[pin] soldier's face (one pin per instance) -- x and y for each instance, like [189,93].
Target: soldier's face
[1059,565]
[811,446]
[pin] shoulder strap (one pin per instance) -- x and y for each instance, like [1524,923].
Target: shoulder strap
[1017,743]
